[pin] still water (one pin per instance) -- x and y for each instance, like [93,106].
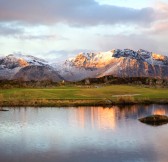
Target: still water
[84,134]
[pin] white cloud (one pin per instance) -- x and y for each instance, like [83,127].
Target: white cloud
[67,26]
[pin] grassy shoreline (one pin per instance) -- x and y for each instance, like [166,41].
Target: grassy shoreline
[67,96]
[77,104]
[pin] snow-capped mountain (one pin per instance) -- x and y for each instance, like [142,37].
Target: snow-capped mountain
[26,67]
[120,63]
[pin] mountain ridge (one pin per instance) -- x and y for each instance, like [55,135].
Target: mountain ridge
[117,62]
[120,63]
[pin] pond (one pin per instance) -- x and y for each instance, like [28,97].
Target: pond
[83,134]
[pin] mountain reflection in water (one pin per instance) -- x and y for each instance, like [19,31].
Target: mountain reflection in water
[85,134]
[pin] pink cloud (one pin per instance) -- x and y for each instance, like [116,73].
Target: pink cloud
[71,12]
[160,28]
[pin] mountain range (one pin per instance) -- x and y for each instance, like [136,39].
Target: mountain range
[119,63]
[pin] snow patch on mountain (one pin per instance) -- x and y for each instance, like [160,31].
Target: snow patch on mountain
[29,59]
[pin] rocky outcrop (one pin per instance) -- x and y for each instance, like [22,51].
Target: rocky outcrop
[155,120]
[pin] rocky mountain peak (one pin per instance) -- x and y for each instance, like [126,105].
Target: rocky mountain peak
[140,54]
[12,62]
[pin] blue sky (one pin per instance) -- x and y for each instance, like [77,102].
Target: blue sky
[127,3]
[60,29]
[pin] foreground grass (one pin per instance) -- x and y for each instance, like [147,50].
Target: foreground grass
[81,96]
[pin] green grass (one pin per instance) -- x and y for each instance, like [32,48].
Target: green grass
[25,96]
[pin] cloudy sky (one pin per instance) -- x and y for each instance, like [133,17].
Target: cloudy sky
[61,28]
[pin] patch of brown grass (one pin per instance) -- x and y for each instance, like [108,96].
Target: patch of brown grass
[1,98]
[125,100]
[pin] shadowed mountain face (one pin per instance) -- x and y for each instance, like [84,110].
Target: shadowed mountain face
[37,73]
[119,63]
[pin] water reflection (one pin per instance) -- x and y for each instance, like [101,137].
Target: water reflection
[106,118]
[93,117]
[92,134]
[160,111]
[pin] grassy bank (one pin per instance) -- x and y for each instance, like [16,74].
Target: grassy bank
[82,96]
